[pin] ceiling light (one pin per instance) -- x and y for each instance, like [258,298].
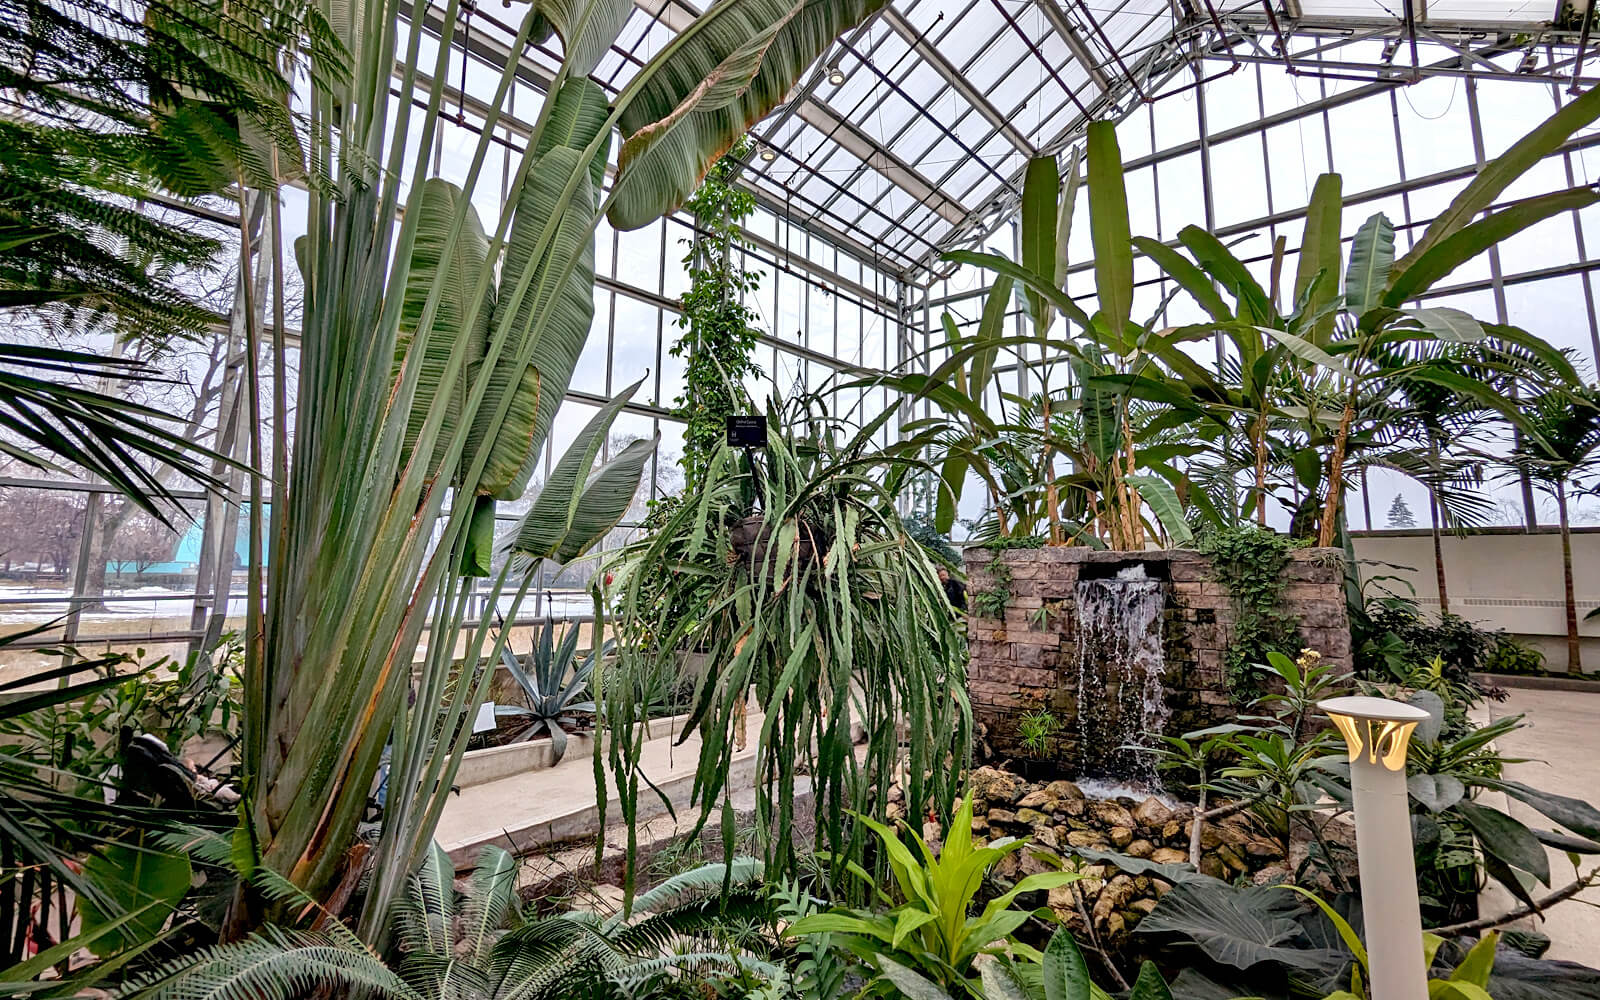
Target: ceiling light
[835,75]
[767,153]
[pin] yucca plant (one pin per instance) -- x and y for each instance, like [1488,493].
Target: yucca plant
[553,679]
[820,602]
[392,466]
[484,946]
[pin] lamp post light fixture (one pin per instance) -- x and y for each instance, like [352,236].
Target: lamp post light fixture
[835,75]
[1377,732]
[767,153]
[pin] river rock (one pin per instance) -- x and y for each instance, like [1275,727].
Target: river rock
[996,786]
[1109,814]
[1002,817]
[1169,856]
[1151,814]
[1045,836]
[1041,800]
[1031,817]
[1088,838]
[1174,831]
[1140,848]
[1121,836]
[1063,791]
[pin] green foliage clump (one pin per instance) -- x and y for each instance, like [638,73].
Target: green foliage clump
[1250,561]
[991,602]
[1508,655]
[1038,730]
[719,337]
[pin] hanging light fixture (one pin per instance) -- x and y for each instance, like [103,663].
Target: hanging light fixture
[767,153]
[835,75]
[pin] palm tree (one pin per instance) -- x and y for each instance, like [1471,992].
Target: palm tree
[485,947]
[1560,442]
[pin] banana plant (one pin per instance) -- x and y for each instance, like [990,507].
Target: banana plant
[1377,338]
[1249,387]
[424,397]
[1108,354]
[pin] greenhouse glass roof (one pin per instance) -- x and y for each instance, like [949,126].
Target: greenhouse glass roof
[909,137]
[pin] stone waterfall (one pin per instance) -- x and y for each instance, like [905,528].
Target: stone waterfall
[1121,663]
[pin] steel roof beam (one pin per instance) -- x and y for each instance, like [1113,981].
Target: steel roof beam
[1058,20]
[957,80]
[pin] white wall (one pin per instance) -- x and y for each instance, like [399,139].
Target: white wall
[1503,578]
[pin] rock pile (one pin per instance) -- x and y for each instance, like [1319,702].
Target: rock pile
[1058,820]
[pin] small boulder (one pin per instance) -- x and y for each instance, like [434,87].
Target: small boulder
[1169,856]
[1037,862]
[1121,836]
[1142,906]
[997,786]
[1151,814]
[1064,791]
[1109,814]
[1140,848]
[1040,800]
[1031,817]
[1214,866]
[1002,817]
[1174,830]
[1045,836]
[1087,838]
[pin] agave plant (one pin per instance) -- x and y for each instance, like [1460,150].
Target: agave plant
[434,357]
[552,679]
[483,946]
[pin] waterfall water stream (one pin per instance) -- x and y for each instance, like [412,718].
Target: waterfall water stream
[1121,695]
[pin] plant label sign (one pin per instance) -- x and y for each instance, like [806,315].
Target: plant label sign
[747,431]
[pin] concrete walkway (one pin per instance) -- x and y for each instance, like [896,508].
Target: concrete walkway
[536,809]
[1561,740]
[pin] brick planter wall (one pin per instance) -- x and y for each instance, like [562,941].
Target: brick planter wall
[1028,660]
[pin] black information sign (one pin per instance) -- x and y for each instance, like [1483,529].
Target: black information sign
[747,431]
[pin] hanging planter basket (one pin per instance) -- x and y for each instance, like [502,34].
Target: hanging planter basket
[751,537]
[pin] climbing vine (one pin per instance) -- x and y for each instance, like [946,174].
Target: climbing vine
[719,336]
[1250,561]
[991,602]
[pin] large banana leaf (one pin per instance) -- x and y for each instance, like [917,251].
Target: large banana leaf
[722,74]
[587,29]
[456,277]
[537,386]
[1461,246]
[1108,228]
[1500,172]
[1319,254]
[558,505]
[1371,255]
[1041,187]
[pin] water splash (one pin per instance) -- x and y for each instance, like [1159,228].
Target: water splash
[1121,695]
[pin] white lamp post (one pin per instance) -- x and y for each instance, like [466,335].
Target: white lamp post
[1377,732]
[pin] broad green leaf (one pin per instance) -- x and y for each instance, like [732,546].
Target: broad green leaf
[552,513]
[1479,963]
[587,29]
[991,327]
[1069,204]
[1029,279]
[1188,276]
[1436,792]
[1447,324]
[1150,985]
[136,879]
[1371,256]
[908,920]
[1305,350]
[455,279]
[1163,501]
[1219,262]
[479,551]
[952,480]
[1319,253]
[1499,173]
[606,498]
[1576,815]
[1108,228]
[1237,927]
[1459,247]
[719,76]
[550,324]
[1041,189]
[1066,974]
[580,111]
[913,985]
[1347,934]
[998,983]
[1507,839]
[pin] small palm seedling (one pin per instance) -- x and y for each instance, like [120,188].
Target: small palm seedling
[553,679]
